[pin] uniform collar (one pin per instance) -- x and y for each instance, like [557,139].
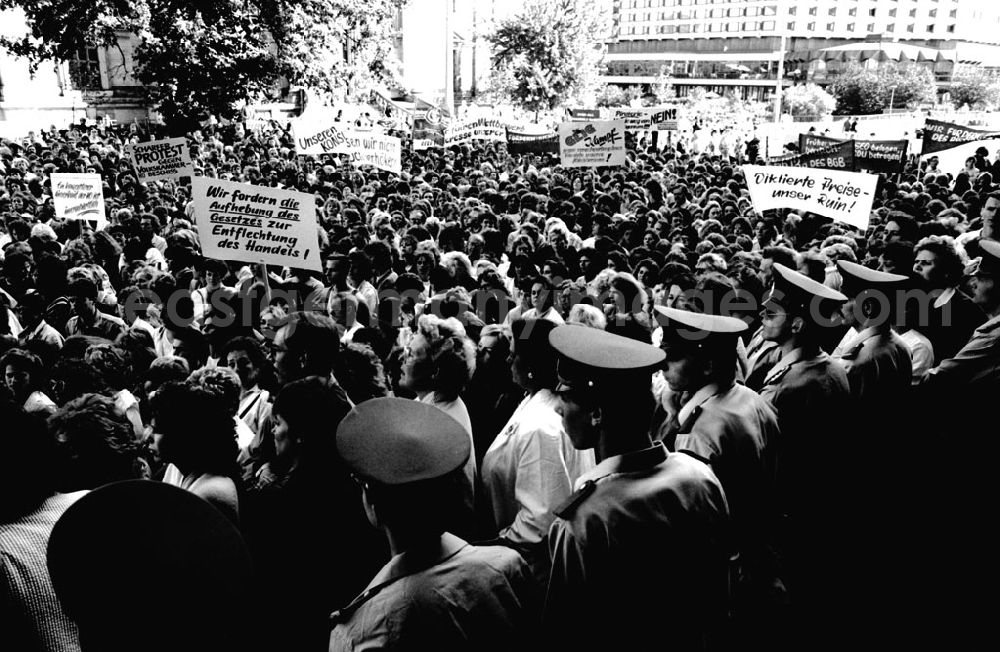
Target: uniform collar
[786,361]
[638,460]
[853,339]
[699,397]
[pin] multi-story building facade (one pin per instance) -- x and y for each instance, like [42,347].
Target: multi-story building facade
[736,45]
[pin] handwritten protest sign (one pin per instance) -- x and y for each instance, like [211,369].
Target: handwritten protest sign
[477,129]
[78,196]
[837,156]
[521,143]
[364,147]
[888,156]
[664,118]
[429,128]
[592,144]
[256,224]
[842,196]
[162,159]
[635,119]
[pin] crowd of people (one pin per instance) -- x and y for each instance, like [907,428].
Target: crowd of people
[521,406]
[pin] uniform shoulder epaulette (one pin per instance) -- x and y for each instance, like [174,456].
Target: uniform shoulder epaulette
[690,421]
[778,376]
[566,509]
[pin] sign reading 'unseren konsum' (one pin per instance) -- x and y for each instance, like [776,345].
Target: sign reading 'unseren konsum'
[842,196]
[256,224]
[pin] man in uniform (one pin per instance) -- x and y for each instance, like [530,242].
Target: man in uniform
[437,592]
[735,430]
[640,551]
[807,388]
[956,401]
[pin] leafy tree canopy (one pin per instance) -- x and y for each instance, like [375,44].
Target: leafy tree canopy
[975,88]
[808,100]
[200,57]
[860,90]
[550,52]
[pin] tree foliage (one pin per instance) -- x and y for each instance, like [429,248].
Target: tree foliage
[551,50]
[807,101]
[662,88]
[201,57]
[975,88]
[860,90]
[611,95]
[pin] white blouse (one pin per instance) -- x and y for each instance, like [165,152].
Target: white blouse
[530,469]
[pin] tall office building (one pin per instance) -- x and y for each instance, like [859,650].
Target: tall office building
[735,45]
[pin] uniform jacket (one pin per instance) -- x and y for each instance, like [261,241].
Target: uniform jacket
[639,555]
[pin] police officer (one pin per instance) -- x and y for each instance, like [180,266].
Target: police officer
[736,431]
[437,591]
[640,550]
[808,389]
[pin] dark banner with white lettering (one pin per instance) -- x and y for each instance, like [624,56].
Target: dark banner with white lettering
[838,156]
[520,143]
[940,135]
[886,156]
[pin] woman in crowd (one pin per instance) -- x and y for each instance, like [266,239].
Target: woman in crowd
[24,377]
[531,467]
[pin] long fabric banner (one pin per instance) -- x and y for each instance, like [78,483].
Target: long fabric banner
[364,147]
[592,144]
[256,224]
[842,196]
[645,118]
[888,156]
[464,131]
[521,143]
[939,135]
[836,156]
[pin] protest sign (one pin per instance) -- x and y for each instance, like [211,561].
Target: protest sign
[664,118]
[888,156]
[429,127]
[838,156]
[592,144]
[162,159]
[635,119]
[78,196]
[464,131]
[521,143]
[364,147]
[585,114]
[939,135]
[842,196]
[256,224]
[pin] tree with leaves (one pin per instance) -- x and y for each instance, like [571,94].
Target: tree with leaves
[551,50]
[662,88]
[976,88]
[207,57]
[807,101]
[861,90]
[611,95]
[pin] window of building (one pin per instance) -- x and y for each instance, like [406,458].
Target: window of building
[871,28]
[871,12]
[792,11]
[812,11]
[790,26]
[892,13]
[891,27]
[832,11]
[930,28]
[830,27]
[932,13]
[696,28]
[769,10]
[909,28]
[752,11]
[645,30]
[768,26]
[733,27]
[684,29]
[913,13]
[750,26]
[951,29]
[850,27]
[684,14]
[85,70]
[669,29]
[811,27]
[853,11]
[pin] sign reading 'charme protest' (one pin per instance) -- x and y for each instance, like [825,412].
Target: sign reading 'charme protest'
[256,224]
[592,144]
[162,159]
[842,196]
